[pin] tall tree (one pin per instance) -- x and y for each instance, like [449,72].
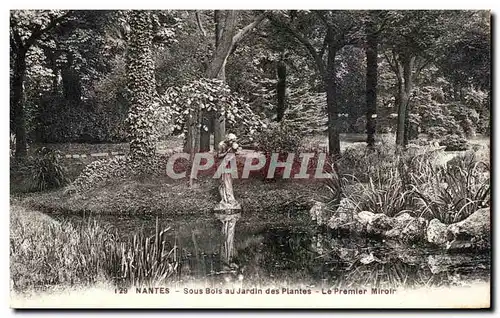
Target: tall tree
[226,39]
[410,41]
[371,51]
[141,83]
[27,27]
[338,29]
[281,88]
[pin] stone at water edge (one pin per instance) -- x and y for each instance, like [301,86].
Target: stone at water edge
[436,232]
[380,224]
[473,232]
[343,217]
[365,217]
[407,228]
[341,221]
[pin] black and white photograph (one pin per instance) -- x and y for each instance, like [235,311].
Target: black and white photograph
[250,158]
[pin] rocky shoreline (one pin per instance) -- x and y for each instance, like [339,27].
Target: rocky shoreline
[471,233]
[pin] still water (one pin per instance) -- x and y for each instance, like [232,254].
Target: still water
[288,249]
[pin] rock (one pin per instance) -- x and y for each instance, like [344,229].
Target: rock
[436,232]
[340,221]
[473,232]
[380,224]
[407,228]
[317,212]
[365,217]
[343,218]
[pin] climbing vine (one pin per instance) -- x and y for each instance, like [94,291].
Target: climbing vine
[141,83]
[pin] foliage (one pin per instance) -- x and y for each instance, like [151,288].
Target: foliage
[454,143]
[141,83]
[306,112]
[210,95]
[388,196]
[148,259]
[454,192]
[416,182]
[99,171]
[279,138]
[47,172]
[60,121]
[363,164]
[45,253]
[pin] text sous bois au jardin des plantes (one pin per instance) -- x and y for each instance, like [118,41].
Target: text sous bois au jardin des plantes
[258,291]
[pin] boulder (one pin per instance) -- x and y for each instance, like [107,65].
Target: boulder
[407,228]
[436,232]
[343,217]
[451,262]
[380,224]
[364,217]
[473,232]
[340,221]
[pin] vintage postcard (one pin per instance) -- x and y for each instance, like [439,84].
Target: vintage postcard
[250,159]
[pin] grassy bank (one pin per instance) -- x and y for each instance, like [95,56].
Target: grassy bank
[46,255]
[161,196]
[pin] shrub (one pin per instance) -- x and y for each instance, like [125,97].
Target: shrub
[279,138]
[389,197]
[454,143]
[364,163]
[46,170]
[454,192]
[99,171]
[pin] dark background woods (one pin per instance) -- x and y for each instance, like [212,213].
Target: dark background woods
[405,72]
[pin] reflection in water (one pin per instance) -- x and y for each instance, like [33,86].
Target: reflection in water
[251,252]
[228,228]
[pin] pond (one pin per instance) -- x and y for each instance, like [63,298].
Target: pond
[288,249]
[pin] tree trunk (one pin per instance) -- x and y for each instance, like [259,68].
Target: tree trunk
[219,119]
[408,87]
[281,89]
[224,33]
[331,101]
[18,102]
[405,86]
[72,87]
[371,81]
[141,82]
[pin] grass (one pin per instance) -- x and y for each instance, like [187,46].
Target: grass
[417,182]
[454,192]
[45,254]
[161,196]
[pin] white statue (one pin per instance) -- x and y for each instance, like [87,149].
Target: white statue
[226,150]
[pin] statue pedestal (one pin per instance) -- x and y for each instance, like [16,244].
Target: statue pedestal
[229,207]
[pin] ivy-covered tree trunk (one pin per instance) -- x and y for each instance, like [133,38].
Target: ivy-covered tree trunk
[281,89]
[371,81]
[18,102]
[141,83]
